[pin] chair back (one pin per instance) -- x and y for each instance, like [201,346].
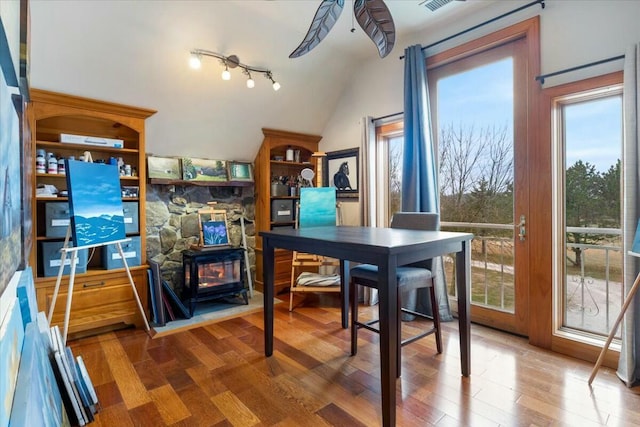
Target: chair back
[317,207]
[427,221]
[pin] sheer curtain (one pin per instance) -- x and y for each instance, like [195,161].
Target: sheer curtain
[420,191]
[629,365]
[367,197]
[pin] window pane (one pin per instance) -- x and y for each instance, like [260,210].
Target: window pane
[395,146]
[592,289]
[475,144]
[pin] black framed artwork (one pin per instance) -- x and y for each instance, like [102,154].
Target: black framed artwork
[341,171]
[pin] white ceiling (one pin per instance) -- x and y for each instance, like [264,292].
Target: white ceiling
[136,52]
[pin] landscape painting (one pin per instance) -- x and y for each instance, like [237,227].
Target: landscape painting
[163,168]
[10,181]
[203,169]
[95,203]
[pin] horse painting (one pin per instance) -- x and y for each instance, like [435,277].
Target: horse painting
[341,178]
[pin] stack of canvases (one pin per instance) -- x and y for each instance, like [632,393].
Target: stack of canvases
[42,383]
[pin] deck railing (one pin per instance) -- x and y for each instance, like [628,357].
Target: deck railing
[592,289]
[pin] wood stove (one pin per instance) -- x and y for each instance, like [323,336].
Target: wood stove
[213,273]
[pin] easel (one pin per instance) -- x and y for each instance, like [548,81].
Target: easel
[74,252]
[625,305]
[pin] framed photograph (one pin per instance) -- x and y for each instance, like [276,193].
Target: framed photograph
[341,170]
[194,169]
[240,171]
[163,168]
[213,227]
[130,192]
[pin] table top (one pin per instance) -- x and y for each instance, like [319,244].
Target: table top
[362,243]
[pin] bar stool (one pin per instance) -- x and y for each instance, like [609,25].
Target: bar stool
[409,278]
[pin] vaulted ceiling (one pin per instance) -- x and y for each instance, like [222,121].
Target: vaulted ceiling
[137,52]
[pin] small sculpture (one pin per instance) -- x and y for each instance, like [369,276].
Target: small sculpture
[372,15]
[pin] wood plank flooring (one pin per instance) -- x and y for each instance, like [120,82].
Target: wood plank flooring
[217,375]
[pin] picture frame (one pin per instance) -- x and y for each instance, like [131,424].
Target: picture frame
[163,168]
[240,171]
[213,227]
[195,169]
[130,192]
[342,170]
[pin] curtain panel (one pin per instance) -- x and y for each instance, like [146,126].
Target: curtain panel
[420,190]
[628,366]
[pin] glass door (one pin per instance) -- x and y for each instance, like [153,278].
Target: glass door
[480,108]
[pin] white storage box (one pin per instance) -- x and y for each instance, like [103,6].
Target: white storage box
[111,257]
[91,140]
[51,257]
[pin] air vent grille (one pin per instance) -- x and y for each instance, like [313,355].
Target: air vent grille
[436,4]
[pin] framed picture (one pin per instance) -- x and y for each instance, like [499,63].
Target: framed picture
[163,168]
[213,227]
[341,170]
[194,169]
[240,171]
[130,192]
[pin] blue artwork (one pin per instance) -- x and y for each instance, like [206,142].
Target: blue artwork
[10,179]
[37,400]
[11,339]
[317,207]
[635,248]
[214,233]
[95,203]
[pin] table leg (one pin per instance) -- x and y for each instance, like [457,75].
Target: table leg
[388,307]
[463,286]
[268,265]
[344,287]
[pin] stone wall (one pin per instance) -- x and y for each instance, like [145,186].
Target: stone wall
[172,223]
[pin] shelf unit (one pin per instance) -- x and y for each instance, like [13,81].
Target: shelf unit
[103,298]
[275,145]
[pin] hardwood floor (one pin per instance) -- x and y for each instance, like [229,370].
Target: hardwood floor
[217,375]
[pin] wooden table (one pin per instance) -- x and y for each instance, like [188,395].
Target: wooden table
[387,248]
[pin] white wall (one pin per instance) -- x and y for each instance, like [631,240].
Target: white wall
[572,33]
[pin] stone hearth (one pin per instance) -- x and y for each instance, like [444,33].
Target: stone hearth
[172,223]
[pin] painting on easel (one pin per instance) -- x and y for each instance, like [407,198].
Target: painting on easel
[95,203]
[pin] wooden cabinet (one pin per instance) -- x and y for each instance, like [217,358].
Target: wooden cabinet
[272,207]
[102,298]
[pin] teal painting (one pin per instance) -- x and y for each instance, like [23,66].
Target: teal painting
[95,203]
[317,207]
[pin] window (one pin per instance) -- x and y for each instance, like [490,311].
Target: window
[587,139]
[388,161]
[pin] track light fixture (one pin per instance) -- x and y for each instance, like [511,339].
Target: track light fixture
[231,61]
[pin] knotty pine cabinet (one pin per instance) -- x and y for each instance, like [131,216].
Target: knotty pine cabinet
[102,298]
[270,163]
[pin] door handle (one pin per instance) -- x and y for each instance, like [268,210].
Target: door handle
[522,228]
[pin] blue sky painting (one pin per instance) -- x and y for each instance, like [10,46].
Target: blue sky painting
[95,203]
[317,207]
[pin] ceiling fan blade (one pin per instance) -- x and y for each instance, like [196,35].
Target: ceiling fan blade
[326,16]
[376,21]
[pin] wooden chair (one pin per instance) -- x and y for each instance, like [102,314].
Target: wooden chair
[310,272]
[409,278]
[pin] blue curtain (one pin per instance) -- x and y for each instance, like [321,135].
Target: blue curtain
[420,191]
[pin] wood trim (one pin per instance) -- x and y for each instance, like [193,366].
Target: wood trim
[542,294]
[529,28]
[60,99]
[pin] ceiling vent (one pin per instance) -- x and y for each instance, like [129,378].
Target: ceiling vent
[433,5]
